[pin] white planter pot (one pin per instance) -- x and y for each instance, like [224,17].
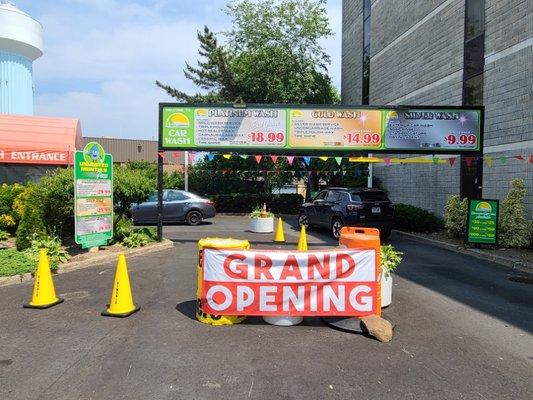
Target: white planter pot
[281,320]
[386,290]
[262,225]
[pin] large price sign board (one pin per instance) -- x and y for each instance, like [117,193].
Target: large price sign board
[482,221]
[255,282]
[93,196]
[300,129]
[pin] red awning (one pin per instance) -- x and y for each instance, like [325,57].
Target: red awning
[38,140]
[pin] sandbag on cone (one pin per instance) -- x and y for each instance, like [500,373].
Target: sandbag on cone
[44,293]
[121,303]
[280,236]
[302,241]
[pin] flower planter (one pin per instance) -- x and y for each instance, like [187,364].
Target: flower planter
[386,290]
[262,225]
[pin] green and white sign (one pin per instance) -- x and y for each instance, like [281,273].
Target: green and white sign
[93,196]
[298,128]
[482,221]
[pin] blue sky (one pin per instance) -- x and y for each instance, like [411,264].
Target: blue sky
[102,57]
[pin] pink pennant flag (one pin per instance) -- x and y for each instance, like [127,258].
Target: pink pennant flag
[192,156]
[290,159]
[531,158]
[175,154]
[468,161]
[387,161]
[309,173]
[258,159]
[274,159]
[519,157]
[451,161]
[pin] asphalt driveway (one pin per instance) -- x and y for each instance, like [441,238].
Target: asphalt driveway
[463,331]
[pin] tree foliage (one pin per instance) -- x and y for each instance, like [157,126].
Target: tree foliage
[272,55]
[514,227]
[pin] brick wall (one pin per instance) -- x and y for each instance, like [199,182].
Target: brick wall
[352,51]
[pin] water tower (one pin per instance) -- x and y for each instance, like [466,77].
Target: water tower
[21,42]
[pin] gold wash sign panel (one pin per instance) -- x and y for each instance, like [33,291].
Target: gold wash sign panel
[335,128]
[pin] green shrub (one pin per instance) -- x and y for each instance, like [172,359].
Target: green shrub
[514,230]
[13,262]
[414,219]
[136,239]
[31,226]
[8,218]
[246,203]
[122,229]
[390,259]
[130,186]
[455,215]
[56,253]
[3,235]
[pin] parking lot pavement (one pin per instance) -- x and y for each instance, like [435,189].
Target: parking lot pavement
[463,331]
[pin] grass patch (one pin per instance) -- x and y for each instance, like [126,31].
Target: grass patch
[13,262]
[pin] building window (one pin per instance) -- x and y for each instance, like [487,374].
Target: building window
[366,52]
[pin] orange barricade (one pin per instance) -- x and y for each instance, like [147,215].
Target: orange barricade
[364,238]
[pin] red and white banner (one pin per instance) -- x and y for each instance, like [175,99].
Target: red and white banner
[22,156]
[262,282]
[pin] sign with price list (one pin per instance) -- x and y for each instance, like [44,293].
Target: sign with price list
[483,221]
[93,196]
[299,128]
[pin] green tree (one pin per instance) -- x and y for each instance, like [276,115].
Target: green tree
[130,186]
[514,227]
[455,215]
[272,55]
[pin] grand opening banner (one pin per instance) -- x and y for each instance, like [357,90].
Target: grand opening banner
[255,282]
[299,129]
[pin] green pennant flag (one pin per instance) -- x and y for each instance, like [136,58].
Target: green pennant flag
[436,160]
[503,160]
[243,156]
[339,160]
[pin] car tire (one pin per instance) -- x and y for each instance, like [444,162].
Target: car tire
[303,221]
[194,218]
[336,226]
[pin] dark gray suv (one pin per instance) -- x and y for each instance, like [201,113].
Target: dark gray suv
[335,207]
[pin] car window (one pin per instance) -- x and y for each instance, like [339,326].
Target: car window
[152,197]
[320,196]
[355,197]
[374,196]
[333,196]
[176,196]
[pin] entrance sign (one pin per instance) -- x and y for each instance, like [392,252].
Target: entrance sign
[93,196]
[299,128]
[483,221]
[260,282]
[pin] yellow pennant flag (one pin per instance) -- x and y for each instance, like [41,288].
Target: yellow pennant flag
[488,160]
[227,156]
[324,158]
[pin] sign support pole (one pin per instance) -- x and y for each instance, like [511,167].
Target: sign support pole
[370,172]
[159,197]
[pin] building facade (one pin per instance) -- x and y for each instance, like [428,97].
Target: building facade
[447,52]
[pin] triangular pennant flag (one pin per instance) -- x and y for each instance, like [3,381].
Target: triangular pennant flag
[258,159]
[436,160]
[226,156]
[309,173]
[243,156]
[307,160]
[386,160]
[274,159]
[503,160]
[468,161]
[339,160]
[531,158]
[451,161]
[175,154]
[323,158]
[192,155]
[210,156]
[290,159]
[519,157]
[488,160]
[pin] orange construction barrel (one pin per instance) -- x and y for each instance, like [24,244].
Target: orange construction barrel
[215,243]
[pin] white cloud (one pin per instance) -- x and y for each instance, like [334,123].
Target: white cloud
[102,58]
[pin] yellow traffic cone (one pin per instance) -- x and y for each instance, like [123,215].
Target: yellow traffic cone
[44,293]
[280,236]
[302,241]
[121,302]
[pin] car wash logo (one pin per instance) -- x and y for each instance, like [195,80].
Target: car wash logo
[177,120]
[93,152]
[484,208]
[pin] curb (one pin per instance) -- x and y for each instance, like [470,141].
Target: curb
[520,266]
[96,259]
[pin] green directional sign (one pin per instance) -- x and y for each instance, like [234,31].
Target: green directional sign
[483,221]
[93,196]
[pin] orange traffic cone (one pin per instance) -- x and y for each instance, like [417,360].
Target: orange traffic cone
[302,240]
[44,293]
[280,236]
[121,303]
